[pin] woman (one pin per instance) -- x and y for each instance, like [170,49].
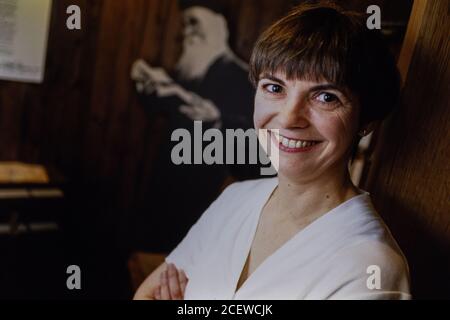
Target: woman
[323,79]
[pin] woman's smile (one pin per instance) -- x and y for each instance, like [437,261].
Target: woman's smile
[292,145]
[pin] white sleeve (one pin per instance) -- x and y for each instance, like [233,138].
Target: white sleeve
[190,251]
[352,275]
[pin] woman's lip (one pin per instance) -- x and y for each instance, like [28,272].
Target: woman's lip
[277,134]
[296,150]
[282,147]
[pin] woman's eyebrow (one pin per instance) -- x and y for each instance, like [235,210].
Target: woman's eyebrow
[271,77]
[327,86]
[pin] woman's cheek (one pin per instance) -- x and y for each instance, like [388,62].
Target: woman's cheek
[263,112]
[348,123]
[329,124]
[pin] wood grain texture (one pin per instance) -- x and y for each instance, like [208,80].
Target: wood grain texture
[411,36]
[411,179]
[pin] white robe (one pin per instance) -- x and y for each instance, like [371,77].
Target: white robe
[329,259]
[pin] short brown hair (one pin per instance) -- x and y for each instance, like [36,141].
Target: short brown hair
[321,41]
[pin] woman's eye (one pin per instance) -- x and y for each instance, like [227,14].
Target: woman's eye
[326,97]
[273,88]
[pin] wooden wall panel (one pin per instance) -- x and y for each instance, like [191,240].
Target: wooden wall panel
[410,181]
[43,123]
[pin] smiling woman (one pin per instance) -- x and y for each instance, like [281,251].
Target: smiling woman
[322,78]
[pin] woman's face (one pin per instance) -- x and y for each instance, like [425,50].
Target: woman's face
[317,124]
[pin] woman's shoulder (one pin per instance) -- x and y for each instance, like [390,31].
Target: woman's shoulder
[372,240]
[371,269]
[370,252]
[367,248]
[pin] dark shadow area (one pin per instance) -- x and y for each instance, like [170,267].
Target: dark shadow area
[427,254]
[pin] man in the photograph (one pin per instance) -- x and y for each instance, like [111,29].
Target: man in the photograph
[209,84]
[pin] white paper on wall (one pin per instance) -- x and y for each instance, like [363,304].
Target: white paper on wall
[24,28]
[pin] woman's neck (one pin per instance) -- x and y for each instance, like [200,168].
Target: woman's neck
[308,200]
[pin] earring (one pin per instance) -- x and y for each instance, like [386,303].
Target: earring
[363,133]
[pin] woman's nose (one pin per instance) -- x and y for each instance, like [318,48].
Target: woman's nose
[294,114]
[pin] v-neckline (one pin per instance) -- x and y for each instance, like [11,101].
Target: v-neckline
[256,220]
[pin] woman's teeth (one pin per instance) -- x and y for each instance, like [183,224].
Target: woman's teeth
[295,144]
